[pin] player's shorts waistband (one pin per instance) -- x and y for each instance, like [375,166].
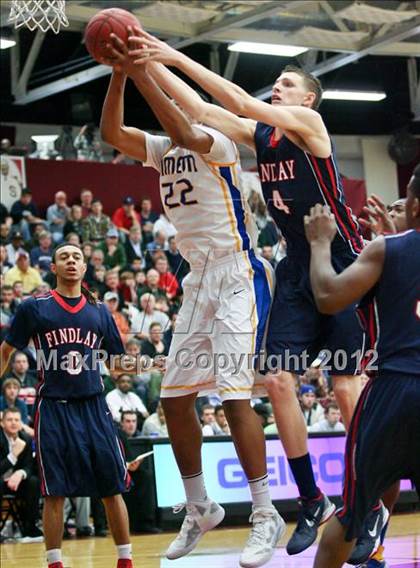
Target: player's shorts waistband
[218,258]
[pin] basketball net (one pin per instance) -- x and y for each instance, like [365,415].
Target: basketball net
[41,14]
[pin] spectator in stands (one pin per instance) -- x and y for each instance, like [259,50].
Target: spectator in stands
[122,398]
[24,273]
[41,256]
[177,263]
[4,260]
[14,247]
[163,225]
[111,300]
[331,422]
[114,254]
[27,379]
[5,231]
[73,239]
[146,213]
[267,253]
[128,287]
[141,381]
[207,417]
[74,223]
[37,229]
[167,281]
[86,198]
[158,243]
[5,146]
[133,246]
[17,467]
[98,281]
[10,399]
[167,336]
[96,260]
[141,321]
[154,345]
[312,410]
[112,282]
[155,424]
[140,499]
[25,213]
[126,217]
[263,413]
[96,224]
[6,310]
[81,506]
[88,148]
[220,426]
[314,376]
[18,292]
[57,215]
[151,285]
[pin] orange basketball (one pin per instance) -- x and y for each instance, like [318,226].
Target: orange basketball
[105,22]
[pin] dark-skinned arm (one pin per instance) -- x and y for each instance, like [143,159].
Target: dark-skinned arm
[333,292]
[171,118]
[128,140]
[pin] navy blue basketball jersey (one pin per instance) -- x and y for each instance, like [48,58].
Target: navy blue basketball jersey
[68,336]
[301,181]
[396,306]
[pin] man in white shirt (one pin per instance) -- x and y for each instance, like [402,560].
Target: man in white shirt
[164,225]
[155,425]
[142,320]
[121,398]
[331,422]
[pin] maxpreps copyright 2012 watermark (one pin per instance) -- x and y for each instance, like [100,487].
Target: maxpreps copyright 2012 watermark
[74,362]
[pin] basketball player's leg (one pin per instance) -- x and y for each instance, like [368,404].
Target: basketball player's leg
[184,431]
[333,549]
[53,523]
[347,389]
[294,329]
[117,517]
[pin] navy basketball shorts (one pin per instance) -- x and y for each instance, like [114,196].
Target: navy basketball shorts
[78,450]
[298,332]
[382,446]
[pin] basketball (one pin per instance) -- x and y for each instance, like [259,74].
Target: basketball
[105,22]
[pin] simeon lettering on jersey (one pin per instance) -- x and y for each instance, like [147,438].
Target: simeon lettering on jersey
[66,331]
[301,181]
[201,196]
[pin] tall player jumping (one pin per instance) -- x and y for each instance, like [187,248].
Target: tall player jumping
[383,440]
[297,169]
[77,447]
[227,299]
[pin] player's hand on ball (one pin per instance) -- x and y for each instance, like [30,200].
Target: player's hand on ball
[119,57]
[148,48]
[320,224]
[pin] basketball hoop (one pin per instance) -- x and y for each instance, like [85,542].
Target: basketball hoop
[41,14]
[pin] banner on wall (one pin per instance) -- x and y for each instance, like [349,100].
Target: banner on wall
[226,481]
[13,178]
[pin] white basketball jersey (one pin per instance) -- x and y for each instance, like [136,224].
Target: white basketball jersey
[202,197]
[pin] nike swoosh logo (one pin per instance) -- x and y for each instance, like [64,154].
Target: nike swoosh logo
[375,528]
[310,523]
[238,291]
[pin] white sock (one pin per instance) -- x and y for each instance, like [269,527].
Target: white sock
[54,555]
[195,489]
[124,551]
[260,492]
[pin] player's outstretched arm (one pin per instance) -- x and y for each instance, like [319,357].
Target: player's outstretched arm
[304,121]
[333,292]
[128,140]
[172,119]
[6,351]
[240,130]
